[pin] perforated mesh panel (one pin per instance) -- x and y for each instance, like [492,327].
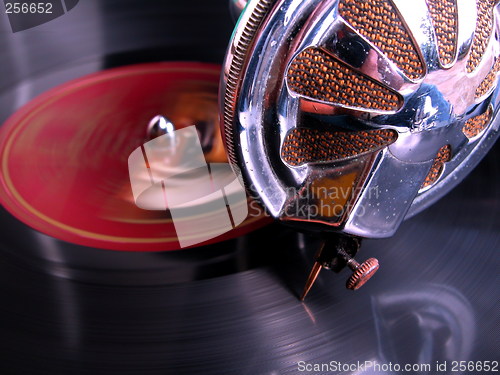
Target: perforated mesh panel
[319,75]
[489,81]
[443,156]
[477,124]
[379,22]
[445,22]
[482,34]
[304,145]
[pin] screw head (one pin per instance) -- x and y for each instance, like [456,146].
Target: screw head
[362,274]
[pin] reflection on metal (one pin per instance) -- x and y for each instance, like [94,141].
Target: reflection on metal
[160,125]
[278,80]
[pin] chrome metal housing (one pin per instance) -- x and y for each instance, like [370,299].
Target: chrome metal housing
[260,109]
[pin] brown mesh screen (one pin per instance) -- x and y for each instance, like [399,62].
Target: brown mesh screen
[303,145]
[379,22]
[319,75]
[484,28]
[443,156]
[477,124]
[489,81]
[445,22]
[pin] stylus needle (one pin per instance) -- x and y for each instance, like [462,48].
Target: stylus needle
[311,279]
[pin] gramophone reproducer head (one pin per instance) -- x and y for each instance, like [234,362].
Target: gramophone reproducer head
[350,115]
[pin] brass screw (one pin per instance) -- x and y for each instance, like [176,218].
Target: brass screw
[361,272]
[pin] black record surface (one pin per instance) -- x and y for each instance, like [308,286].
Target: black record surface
[100,34]
[435,297]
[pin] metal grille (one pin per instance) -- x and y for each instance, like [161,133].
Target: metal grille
[443,156]
[445,21]
[304,145]
[321,76]
[489,81]
[482,34]
[475,125]
[380,23]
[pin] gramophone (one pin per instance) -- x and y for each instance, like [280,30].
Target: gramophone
[342,118]
[346,117]
[346,125]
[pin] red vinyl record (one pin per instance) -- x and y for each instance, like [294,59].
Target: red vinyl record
[64,155]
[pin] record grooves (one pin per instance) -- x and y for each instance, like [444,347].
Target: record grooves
[71,305]
[438,281]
